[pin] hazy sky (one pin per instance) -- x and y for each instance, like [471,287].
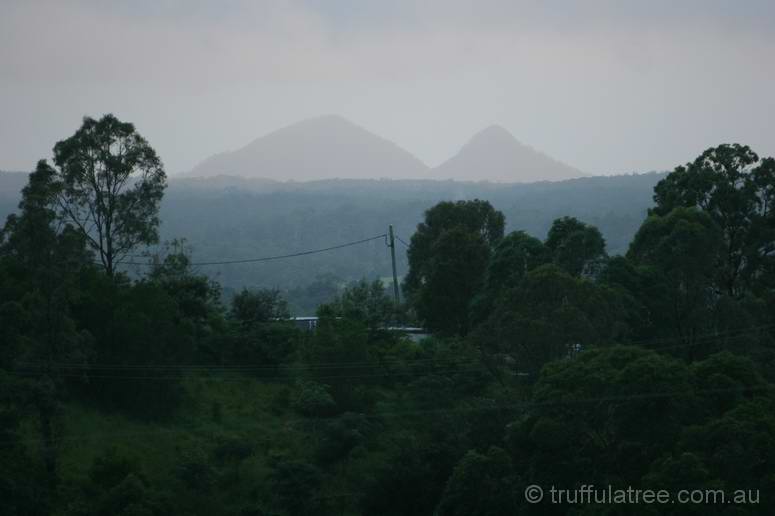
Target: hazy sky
[606,86]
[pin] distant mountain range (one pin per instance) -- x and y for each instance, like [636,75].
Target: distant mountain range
[331,147]
[495,155]
[319,148]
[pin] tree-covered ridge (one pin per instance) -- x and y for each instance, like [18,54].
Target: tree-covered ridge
[233,218]
[552,363]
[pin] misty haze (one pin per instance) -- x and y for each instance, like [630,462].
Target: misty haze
[302,257]
[330,147]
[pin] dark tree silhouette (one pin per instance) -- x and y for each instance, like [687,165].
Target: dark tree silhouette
[737,189]
[112,182]
[448,260]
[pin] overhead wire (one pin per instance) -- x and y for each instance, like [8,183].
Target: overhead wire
[463,366]
[319,365]
[326,367]
[235,376]
[524,405]
[702,338]
[268,258]
[445,366]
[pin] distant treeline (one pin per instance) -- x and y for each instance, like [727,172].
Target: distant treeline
[550,363]
[234,218]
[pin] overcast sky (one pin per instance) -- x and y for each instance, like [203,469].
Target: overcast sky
[607,86]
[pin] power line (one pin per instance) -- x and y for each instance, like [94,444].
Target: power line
[521,405]
[239,376]
[270,258]
[430,362]
[702,338]
[355,363]
[32,367]
[402,241]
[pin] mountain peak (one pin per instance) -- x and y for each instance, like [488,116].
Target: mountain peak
[496,134]
[332,147]
[323,147]
[493,154]
[493,130]
[329,119]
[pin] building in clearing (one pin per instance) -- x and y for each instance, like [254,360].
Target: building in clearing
[414,333]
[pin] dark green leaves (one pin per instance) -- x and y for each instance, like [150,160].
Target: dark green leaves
[735,188]
[111,184]
[448,259]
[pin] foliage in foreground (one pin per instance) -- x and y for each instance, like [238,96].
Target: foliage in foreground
[553,364]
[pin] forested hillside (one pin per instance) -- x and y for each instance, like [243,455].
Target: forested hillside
[552,364]
[245,306]
[232,218]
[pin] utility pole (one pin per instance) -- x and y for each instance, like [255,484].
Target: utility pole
[393,258]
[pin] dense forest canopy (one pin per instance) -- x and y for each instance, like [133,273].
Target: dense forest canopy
[553,361]
[232,218]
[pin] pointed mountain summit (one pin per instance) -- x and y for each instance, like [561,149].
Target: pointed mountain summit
[495,155]
[325,147]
